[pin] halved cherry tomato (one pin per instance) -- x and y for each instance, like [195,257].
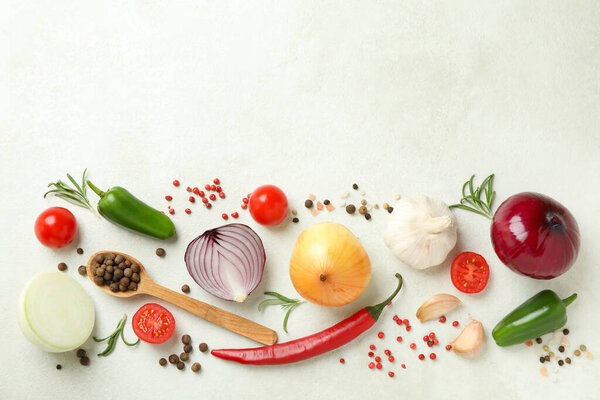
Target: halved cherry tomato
[470,272]
[268,205]
[56,227]
[153,323]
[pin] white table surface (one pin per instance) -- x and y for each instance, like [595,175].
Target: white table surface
[407,97]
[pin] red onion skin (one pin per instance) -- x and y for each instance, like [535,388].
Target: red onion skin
[535,235]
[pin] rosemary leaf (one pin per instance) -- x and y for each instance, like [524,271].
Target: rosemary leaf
[472,200]
[284,302]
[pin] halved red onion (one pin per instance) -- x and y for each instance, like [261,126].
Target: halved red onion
[227,261]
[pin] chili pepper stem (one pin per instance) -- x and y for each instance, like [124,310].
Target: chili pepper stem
[569,299]
[95,189]
[376,310]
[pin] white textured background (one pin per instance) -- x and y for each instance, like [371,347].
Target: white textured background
[398,96]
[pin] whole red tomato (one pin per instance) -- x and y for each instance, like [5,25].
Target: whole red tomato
[56,227]
[268,205]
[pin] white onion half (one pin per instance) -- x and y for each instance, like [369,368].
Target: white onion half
[55,313]
[227,261]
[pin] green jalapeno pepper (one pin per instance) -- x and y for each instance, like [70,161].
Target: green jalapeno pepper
[122,208]
[541,314]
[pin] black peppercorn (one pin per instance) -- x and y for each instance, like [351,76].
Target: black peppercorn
[62,266]
[58,366]
[565,331]
[114,287]
[79,250]
[355,186]
[173,359]
[80,353]
[538,340]
[187,348]
[184,356]
[350,208]
[180,365]
[185,289]
[367,216]
[561,362]
[568,360]
[82,270]
[160,252]
[308,203]
[203,347]
[85,361]
[390,209]
[98,280]
[186,339]
[326,202]
[542,360]
[561,348]
[162,361]
[295,220]
[196,367]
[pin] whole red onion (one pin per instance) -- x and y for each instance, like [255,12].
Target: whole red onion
[535,235]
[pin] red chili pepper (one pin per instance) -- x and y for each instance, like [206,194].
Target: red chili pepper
[313,345]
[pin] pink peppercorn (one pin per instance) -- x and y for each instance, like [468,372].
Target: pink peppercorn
[212,196]
[391,374]
[207,187]
[408,328]
[432,356]
[222,195]
[192,199]
[425,338]
[224,216]
[213,187]
[245,200]
[429,343]
[443,319]
[244,206]
[391,358]
[379,366]
[208,205]
[371,365]
[413,346]
[201,193]
[403,366]
[204,200]
[455,323]
[399,322]
[377,359]
[448,347]
[421,356]
[189,189]
[168,198]
[235,214]
[219,189]
[196,191]
[216,181]
[399,339]
[389,304]
[432,335]
[175,182]
[372,347]
[387,352]
[380,335]
[188,211]
[405,322]
[436,342]
[396,318]
[172,211]
[342,361]
[371,354]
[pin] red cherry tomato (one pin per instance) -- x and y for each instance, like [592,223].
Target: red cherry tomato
[268,205]
[153,323]
[56,227]
[470,272]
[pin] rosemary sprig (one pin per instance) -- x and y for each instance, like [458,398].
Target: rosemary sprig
[284,302]
[112,338]
[471,200]
[77,195]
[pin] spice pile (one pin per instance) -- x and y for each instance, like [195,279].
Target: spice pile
[556,349]
[114,270]
[205,197]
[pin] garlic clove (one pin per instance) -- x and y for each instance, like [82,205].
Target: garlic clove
[436,306]
[470,341]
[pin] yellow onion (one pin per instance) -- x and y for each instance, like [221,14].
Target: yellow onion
[329,266]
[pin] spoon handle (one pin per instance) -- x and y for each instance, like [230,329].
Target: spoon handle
[227,320]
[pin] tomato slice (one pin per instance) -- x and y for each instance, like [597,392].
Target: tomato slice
[153,323]
[470,272]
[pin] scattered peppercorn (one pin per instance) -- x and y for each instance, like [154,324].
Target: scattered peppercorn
[85,361]
[175,182]
[186,339]
[62,266]
[185,289]
[295,220]
[547,358]
[455,323]
[350,208]
[391,374]
[58,366]
[173,359]
[367,216]
[82,270]
[372,347]
[160,252]
[538,340]
[180,365]
[355,186]
[362,210]
[561,348]
[380,335]
[432,356]
[390,209]
[80,353]
[342,361]
[568,360]
[583,347]
[184,356]
[196,367]
[79,250]
[308,203]
[162,361]
[542,359]
[421,356]
[561,362]
[545,347]
[577,353]
[187,348]
[565,331]
[188,211]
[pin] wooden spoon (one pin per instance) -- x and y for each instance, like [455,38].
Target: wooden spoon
[227,320]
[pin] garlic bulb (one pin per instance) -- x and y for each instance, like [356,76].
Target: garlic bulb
[421,232]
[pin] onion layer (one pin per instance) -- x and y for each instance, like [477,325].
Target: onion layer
[227,261]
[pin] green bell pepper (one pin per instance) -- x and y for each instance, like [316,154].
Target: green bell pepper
[543,313]
[122,208]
